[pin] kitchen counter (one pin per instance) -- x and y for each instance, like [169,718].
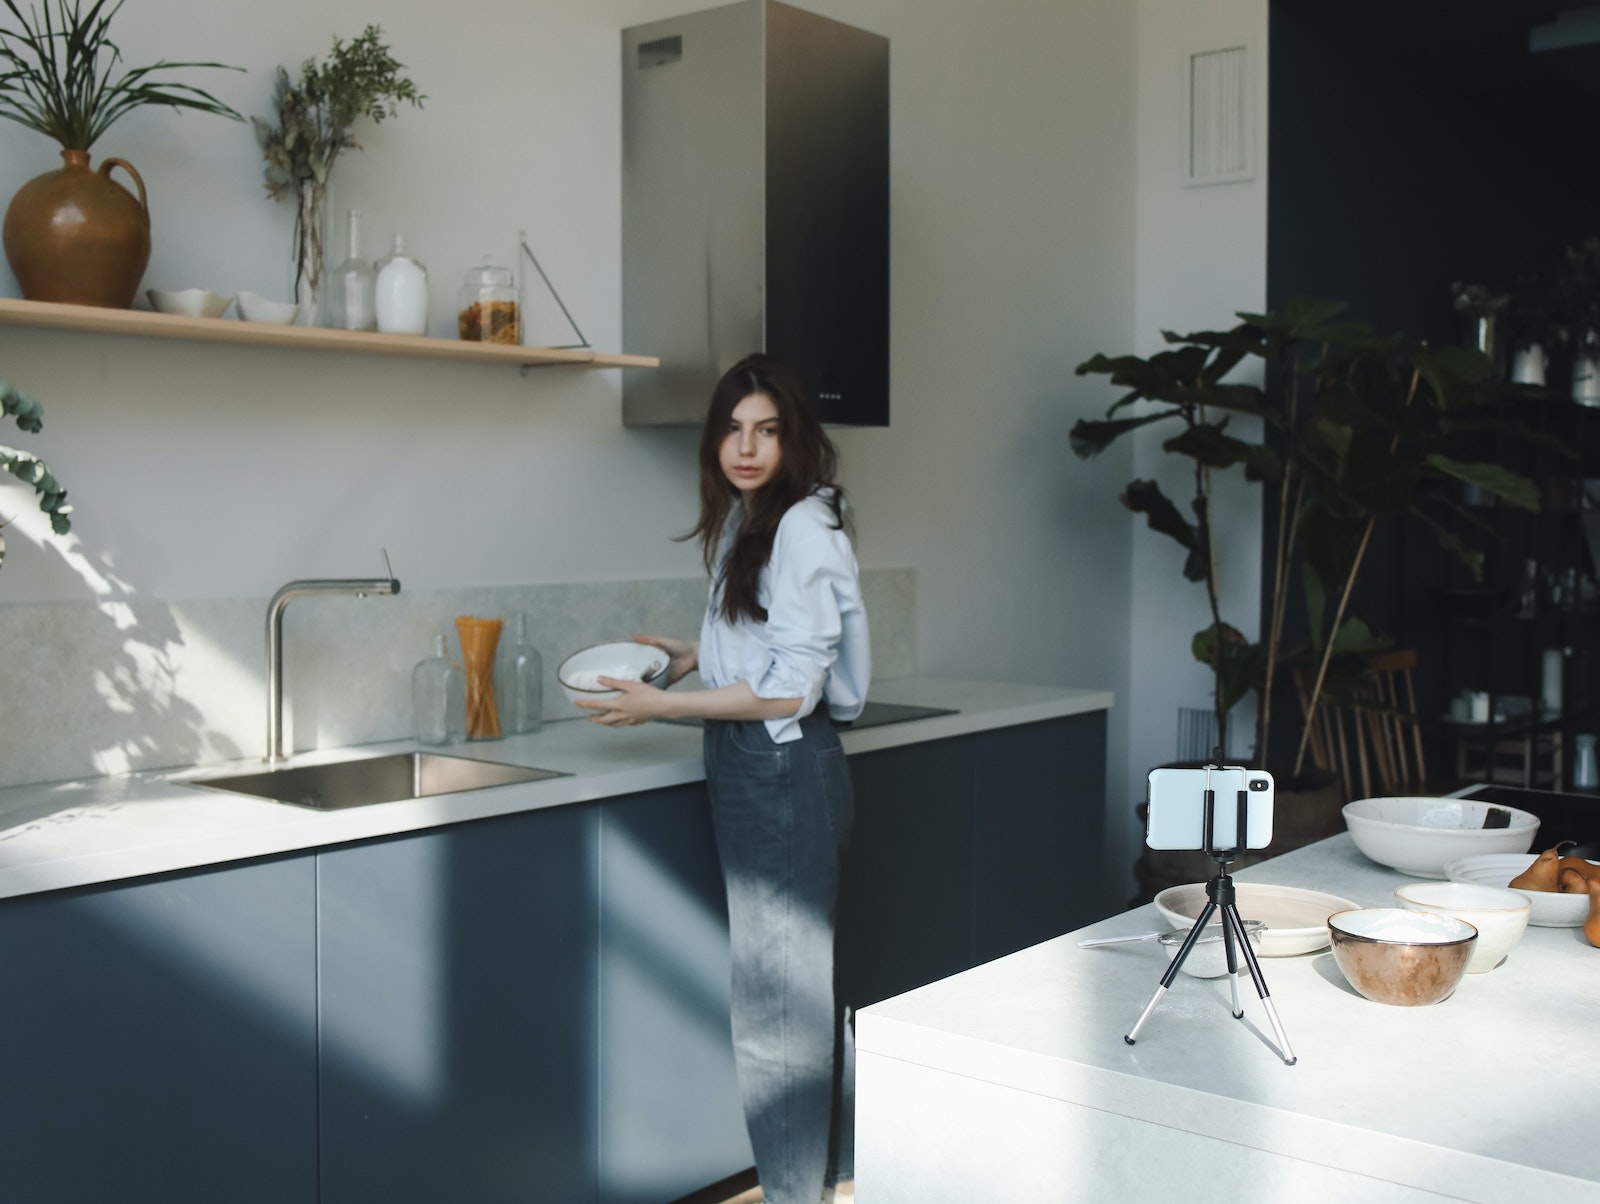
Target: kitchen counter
[78,833]
[1012,1080]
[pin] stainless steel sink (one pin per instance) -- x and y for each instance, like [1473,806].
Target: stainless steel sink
[335,785]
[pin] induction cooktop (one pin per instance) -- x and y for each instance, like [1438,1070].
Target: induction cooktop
[873,714]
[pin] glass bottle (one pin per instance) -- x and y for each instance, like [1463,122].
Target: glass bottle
[352,289]
[519,682]
[401,301]
[439,699]
[491,310]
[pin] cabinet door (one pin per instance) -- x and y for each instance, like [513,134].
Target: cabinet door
[1038,823]
[670,1116]
[161,1039]
[457,1033]
[905,906]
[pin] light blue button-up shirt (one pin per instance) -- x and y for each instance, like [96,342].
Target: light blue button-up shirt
[814,643]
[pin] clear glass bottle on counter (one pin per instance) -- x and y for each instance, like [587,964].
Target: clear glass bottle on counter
[439,699]
[352,289]
[491,307]
[402,292]
[519,682]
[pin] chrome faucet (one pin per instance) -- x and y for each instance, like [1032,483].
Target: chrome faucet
[360,587]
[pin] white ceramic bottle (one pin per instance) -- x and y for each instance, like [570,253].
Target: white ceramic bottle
[402,292]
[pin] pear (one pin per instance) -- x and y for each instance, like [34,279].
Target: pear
[1591,926]
[1572,882]
[1587,868]
[1544,873]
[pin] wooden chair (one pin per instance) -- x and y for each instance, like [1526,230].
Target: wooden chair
[1371,739]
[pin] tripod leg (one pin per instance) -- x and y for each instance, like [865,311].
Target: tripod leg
[1172,970]
[1230,916]
[1233,965]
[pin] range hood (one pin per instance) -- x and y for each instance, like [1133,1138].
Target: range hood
[755,208]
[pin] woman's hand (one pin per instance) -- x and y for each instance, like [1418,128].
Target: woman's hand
[684,655]
[637,703]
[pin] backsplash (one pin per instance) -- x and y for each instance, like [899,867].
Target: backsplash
[97,688]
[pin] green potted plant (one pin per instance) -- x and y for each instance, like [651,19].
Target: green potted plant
[27,467]
[1358,429]
[58,76]
[315,116]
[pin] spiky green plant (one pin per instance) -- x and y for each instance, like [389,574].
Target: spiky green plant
[56,74]
[27,467]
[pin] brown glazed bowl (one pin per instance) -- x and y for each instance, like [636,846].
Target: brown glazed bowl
[1407,958]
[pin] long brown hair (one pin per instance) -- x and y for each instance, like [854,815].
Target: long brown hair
[807,462]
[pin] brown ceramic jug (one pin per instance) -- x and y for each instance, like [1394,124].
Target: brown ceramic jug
[78,236]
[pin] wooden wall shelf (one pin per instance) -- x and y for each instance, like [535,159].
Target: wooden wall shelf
[147,324]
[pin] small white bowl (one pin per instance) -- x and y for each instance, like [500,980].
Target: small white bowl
[1550,909]
[1418,835]
[1296,918]
[1500,915]
[1209,957]
[625,659]
[190,302]
[253,308]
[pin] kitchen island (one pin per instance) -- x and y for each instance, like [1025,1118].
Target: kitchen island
[1012,1080]
[509,994]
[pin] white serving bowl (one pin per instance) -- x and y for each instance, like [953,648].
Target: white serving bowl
[253,308]
[1209,957]
[1549,909]
[626,659]
[190,302]
[1418,835]
[1296,919]
[1407,958]
[1500,915]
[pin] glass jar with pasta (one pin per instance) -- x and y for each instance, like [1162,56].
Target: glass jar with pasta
[491,307]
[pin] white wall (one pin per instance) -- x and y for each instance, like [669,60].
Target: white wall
[221,472]
[1200,258]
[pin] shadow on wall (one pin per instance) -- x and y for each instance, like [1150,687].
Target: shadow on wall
[97,686]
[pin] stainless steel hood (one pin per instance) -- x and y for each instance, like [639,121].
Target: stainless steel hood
[755,207]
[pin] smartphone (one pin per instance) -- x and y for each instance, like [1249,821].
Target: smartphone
[1176,800]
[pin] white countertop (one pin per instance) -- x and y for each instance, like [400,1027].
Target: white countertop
[1488,1096]
[78,833]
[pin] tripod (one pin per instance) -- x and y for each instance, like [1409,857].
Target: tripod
[1220,897]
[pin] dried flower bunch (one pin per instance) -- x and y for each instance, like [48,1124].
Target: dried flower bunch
[1478,300]
[55,74]
[314,118]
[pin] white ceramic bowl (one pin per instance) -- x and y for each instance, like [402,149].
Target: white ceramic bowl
[1209,957]
[190,302]
[258,309]
[1408,958]
[636,662]
[1499,915]
[1549,909]
[1418,835]
[1296,919]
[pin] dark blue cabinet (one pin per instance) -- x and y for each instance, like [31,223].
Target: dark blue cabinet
[161,1039]
[458,1014]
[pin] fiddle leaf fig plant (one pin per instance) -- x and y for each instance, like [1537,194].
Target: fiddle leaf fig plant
[1356,429]
[27,467]
[56,65]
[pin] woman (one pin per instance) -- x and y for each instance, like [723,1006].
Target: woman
[783,654]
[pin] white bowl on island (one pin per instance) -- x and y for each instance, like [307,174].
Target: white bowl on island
[1500,915]
[1417,835]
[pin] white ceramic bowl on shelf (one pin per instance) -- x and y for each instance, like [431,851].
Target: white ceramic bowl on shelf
[189,302]
[1500,915]
[623,660]
[1296,919]
[253,308]
[1418,835]
[1548,909]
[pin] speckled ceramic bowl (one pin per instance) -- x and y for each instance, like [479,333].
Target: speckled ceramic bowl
[1407,958]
